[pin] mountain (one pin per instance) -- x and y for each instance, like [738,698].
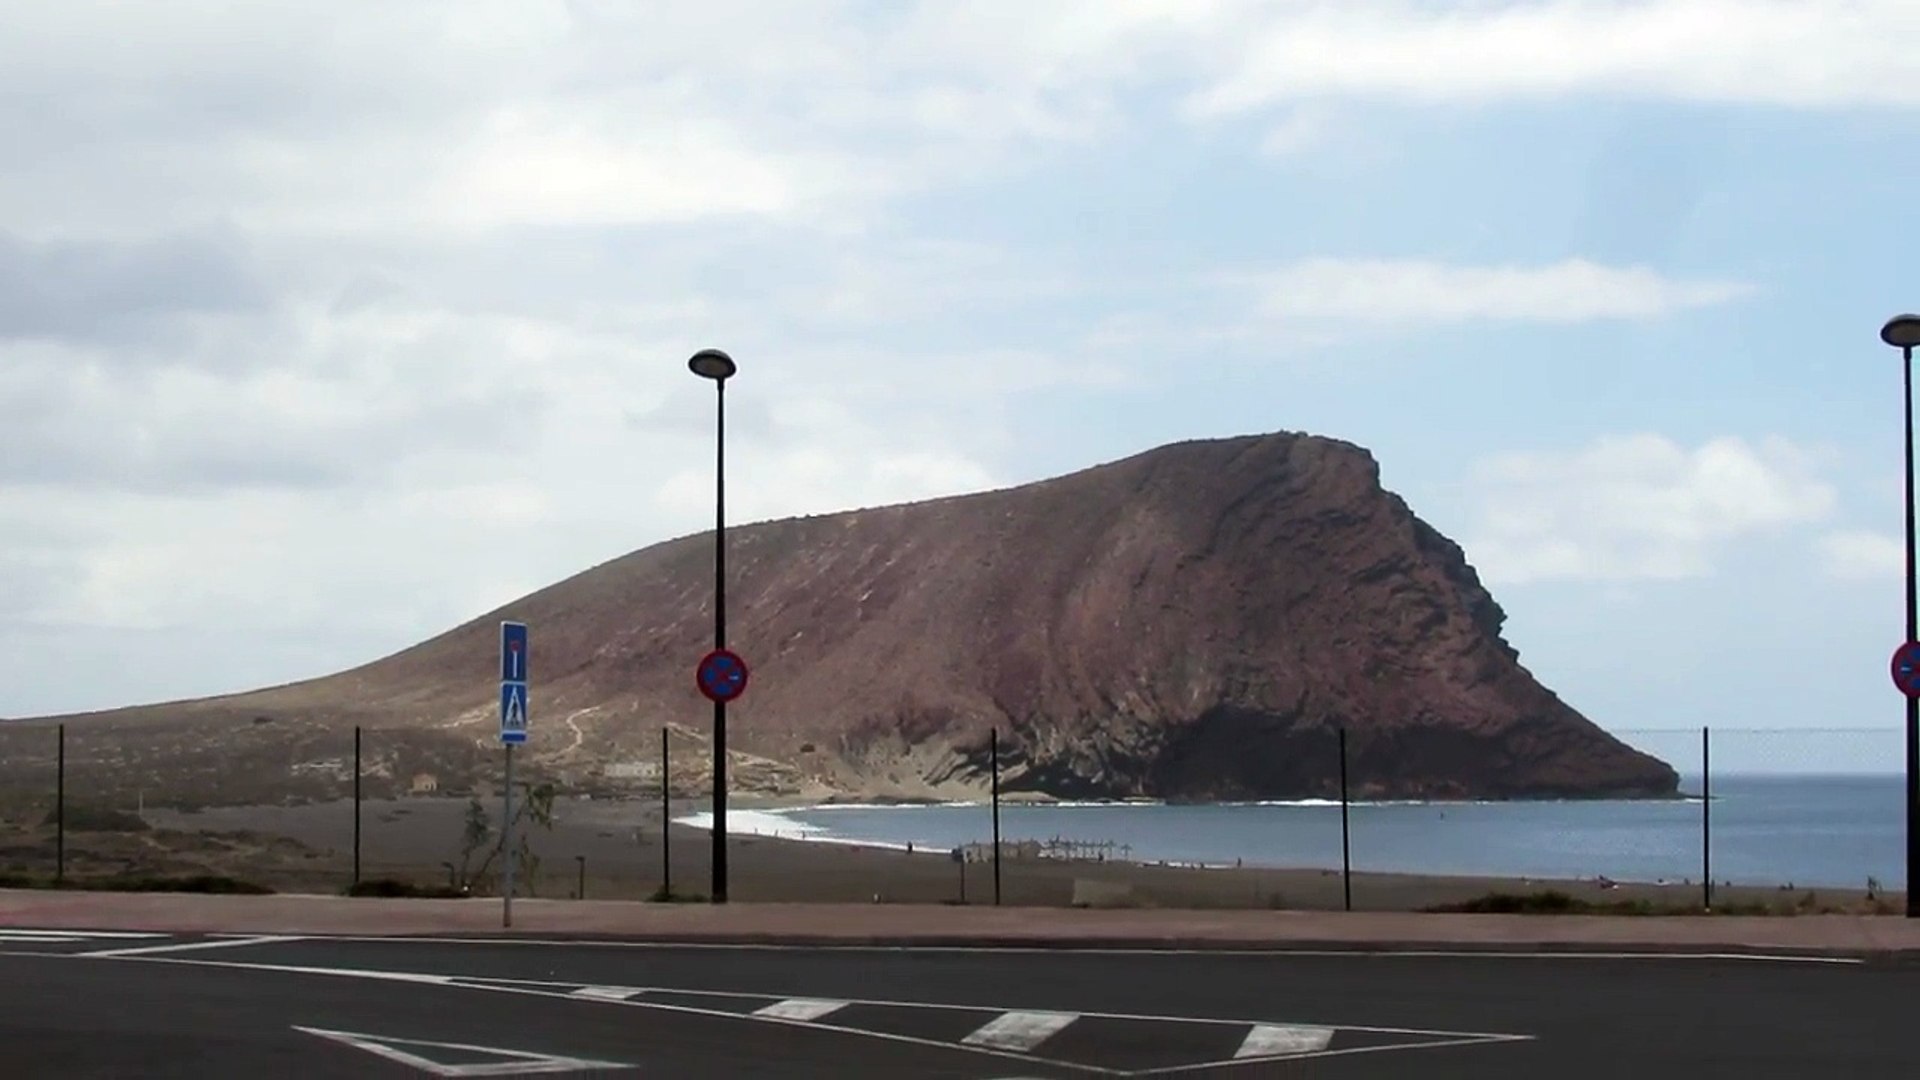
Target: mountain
[1194,622]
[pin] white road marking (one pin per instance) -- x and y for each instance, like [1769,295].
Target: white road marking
[657,1006]
[7,935]
[517,1063]
[471,980]
[43,938]
[800,1008]
[488,982]
[563,990]
[607,993]
[1272,1040]
[147,950]
[1053,950]
[1470,1040]
[1019,1030]
[303,969]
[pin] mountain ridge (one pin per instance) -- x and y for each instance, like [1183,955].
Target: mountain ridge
[1194,621]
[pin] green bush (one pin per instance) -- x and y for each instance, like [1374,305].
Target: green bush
[197,883]
[83,818]
[1547,902]
[396,887]
[1555,902]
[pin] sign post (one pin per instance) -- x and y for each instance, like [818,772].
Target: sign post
[513,732]
[721,676]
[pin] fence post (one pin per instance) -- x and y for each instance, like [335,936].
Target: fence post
[993,752]
[1706,820]
[356,804]
[60,806]
[1346,848]
[666,823]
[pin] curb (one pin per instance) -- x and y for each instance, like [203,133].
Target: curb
[1249,946]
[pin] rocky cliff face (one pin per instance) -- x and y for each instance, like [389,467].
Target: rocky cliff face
[1194,622]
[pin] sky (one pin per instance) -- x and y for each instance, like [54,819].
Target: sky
[327,326]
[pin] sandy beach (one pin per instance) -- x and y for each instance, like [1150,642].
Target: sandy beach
[616,849]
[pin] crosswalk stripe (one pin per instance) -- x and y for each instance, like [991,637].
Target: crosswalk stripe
[800,1008]
[1019,1030]
[189,946]
[1272,1040]
[607,993]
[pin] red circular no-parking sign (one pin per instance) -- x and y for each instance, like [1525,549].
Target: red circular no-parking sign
[1906,668]
[721,675]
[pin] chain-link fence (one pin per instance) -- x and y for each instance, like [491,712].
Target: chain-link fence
[1801,819]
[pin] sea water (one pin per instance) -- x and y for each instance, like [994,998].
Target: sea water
[1807,831]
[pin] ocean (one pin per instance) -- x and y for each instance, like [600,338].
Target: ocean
[1807,831]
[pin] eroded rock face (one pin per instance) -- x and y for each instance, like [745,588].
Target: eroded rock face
[1194,622]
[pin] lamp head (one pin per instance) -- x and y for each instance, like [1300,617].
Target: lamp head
[712,364]
[1902,332]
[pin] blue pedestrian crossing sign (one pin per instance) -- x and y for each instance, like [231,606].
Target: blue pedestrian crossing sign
[513,682]
[513,712]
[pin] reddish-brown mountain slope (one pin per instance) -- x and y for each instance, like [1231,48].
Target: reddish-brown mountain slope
[1194,622]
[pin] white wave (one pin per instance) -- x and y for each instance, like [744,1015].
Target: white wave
[821,807]
[753,823]
[971,804]
[775,825]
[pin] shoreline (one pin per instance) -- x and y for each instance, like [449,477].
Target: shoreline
[766,822]
[615,850]
[1027,802]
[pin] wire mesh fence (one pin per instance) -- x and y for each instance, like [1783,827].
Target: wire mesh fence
[1801,819]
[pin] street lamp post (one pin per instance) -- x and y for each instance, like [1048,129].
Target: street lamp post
[1903,333]
[718,366]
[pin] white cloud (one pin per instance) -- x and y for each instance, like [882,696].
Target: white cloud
[330,117]
[1773,52]
[1638,507]
[322,118]
[1862,555]
[1399,290]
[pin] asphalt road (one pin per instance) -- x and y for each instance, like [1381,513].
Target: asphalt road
[76,1005]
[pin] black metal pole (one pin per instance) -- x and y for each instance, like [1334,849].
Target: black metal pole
[582,860]
[1706,819]
[993,753]
[666,822]
[1346,848]
[356,804]
[60,806]
[1913,632]
[720,639]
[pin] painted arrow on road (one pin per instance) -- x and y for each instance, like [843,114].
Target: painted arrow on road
[506,1063]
